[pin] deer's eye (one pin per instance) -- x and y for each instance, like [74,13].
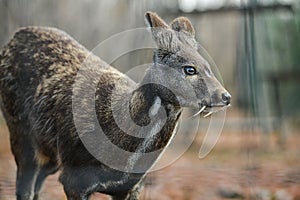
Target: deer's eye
[189,70]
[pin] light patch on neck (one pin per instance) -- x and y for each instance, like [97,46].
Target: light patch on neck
[148,141]
[155,107]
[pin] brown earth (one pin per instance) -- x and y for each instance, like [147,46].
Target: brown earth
[241,166]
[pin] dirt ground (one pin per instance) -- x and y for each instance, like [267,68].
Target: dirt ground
[241,166]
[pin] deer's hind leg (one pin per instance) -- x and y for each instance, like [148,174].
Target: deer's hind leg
[44,170]
[27,167]
[22,146]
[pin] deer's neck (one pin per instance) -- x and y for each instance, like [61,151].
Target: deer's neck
[150,103]
[139,121]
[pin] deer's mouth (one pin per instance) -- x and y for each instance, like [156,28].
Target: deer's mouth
[210,109]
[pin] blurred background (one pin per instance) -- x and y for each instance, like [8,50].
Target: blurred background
[256,46]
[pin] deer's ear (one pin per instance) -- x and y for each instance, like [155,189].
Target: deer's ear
[185,31]
[183,24]
[154,21]
[162,34]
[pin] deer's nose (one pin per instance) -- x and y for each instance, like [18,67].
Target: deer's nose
[226,98]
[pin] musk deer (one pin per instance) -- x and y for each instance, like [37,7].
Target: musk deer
[38,70]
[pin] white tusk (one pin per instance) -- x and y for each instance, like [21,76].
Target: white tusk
[200,111]
[208,114]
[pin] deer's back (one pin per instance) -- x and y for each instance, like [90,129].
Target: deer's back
[35,54]
[38,68]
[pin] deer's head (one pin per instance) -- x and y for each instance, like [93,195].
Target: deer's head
[179,66]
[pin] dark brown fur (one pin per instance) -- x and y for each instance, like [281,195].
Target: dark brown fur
[38,69]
